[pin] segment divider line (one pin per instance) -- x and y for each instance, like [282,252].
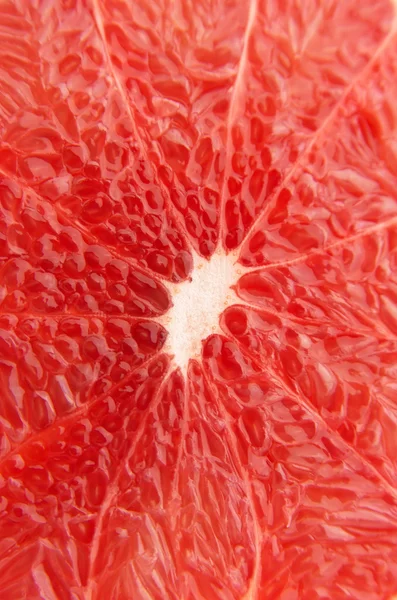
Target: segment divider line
[379,227]
[243,474]
[75,414]
[113,487]
[238,84]
[133,263]
[323,127]
[98,21]
[317,417]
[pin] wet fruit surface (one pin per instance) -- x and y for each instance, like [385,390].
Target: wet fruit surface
[198,319]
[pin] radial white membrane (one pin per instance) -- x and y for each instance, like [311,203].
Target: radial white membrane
[198,304]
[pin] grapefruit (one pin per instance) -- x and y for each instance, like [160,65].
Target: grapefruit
[198,314]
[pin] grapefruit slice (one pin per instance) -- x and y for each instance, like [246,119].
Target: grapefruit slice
[198,300]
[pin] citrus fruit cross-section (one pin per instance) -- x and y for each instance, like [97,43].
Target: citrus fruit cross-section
[198,300]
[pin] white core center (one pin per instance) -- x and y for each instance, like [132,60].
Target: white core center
[197,306]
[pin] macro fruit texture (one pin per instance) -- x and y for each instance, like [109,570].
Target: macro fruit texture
[198,318]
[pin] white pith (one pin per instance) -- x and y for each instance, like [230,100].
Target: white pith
[198,304]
